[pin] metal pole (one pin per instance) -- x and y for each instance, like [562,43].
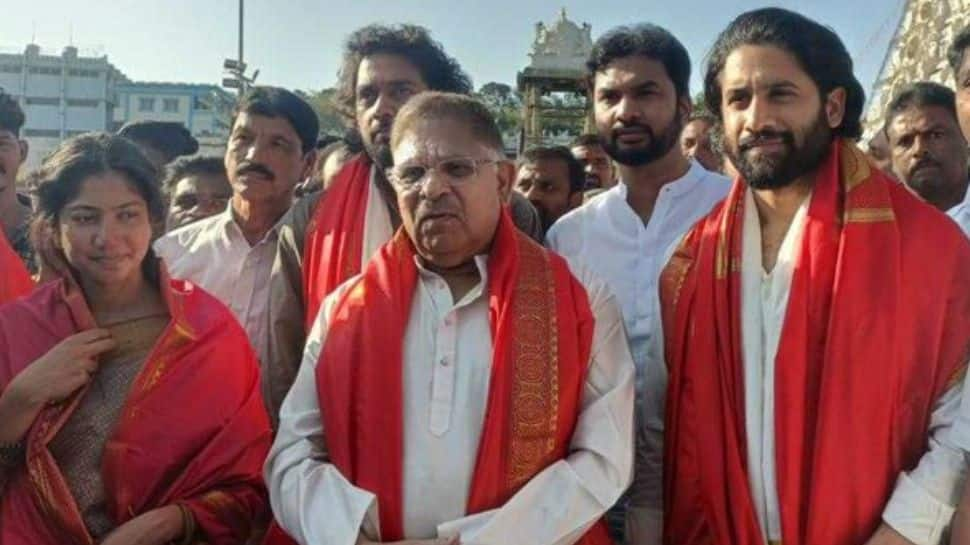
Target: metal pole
[242,81]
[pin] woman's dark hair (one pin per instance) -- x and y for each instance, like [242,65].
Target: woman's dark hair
[58,180]
[439,71]
[645,40]
[817,48]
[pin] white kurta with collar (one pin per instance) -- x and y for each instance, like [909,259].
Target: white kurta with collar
[447,360]
[608,238]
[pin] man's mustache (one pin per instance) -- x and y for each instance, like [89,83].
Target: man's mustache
[923,163]
[630,128]
[256,168]
[760,137]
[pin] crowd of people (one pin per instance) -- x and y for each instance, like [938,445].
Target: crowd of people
[691,327]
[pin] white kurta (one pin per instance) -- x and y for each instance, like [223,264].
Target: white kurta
[961,213]
[923,503]
[447,360]
[214,254]
[377,222]
[608,238]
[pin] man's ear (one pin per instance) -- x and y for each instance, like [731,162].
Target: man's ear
[309,160]
[24,149]
[506,179]
[835,107]
[684,108]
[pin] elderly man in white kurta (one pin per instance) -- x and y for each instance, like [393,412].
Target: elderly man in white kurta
[466,386]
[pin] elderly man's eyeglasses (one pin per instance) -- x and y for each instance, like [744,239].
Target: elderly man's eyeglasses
[457,170]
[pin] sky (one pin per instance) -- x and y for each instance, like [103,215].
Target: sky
[297,43]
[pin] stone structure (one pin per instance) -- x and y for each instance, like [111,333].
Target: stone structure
[558,65]
[917,52]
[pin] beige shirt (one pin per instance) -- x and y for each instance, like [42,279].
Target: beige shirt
[447,360]
[214,255]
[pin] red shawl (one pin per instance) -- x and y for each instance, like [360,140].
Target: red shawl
[877,328]
[542,329]
[335,235]
[14,278]
[192,431]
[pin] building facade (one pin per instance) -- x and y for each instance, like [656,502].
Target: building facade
[62,95]
[201,108]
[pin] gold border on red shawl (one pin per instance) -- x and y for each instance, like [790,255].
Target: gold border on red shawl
[869,215]
[535,390]
[230,511]
[855,167]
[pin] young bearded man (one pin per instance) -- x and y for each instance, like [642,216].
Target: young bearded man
[639,78]
[813,372]
[466,387]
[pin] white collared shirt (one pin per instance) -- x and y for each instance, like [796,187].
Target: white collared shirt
[447,363]
[961,213]
[214,254]
[608,238]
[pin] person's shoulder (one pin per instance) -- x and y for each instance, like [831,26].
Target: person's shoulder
[192,235]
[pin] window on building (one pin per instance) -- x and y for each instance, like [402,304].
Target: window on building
[146,104]
[83,102]
[83,73]
[46,70]
[200,103]
[170,105]
[10,68]
[43,101]
[42,133]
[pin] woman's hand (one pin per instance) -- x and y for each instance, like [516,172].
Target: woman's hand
[50,379]
[63,369]
[156,527]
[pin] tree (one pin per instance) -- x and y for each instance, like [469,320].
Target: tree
[505,104]
[322,102]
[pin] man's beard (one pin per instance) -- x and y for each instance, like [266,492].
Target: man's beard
[654,148]
[775,172]
[380,154]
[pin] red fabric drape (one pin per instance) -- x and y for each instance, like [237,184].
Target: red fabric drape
[542,331]
[14,278]
[193,429]
[877,327]
[335,235]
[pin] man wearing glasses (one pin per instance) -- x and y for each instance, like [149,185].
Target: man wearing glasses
[466,386]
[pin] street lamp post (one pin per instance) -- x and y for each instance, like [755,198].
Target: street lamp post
[236,68]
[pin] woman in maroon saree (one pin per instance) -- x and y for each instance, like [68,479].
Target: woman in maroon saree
[130,401]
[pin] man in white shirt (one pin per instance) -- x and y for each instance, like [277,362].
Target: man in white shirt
[929,152]
[641,100]
[466,386]
[959,57]
[230,255]
[812,370]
